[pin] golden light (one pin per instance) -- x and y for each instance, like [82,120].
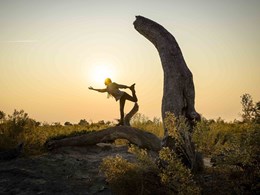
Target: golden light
[101,72]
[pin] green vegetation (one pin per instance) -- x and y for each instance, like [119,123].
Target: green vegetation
[164,174]
[18,128]
[233,148]
[234,151]
[167,175]
[142,122]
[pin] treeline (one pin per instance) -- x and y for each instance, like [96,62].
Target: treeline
[20,117]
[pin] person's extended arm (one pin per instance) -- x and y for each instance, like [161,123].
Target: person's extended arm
[99,90]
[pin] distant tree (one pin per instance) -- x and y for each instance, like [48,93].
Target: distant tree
[68,124]
[38,123]
[18,121]
[45,124]
[83,122]
[33,123]
[101,122]
[56,124]
[2,116]
[257,112]
[250,110]
[108,123]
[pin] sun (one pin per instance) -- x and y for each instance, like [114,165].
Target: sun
[101,72]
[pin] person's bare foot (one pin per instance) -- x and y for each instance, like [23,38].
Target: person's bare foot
[132,87]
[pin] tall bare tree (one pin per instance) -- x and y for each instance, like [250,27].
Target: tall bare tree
[178,87]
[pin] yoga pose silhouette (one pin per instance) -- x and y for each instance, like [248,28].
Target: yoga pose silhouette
[113,90]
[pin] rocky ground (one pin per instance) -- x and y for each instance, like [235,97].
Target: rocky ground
[75,170]
[67,170]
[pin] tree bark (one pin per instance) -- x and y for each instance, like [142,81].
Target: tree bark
[178,87]
[138,137]
[129,116]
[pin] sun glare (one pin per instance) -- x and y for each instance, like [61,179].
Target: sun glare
[101,72]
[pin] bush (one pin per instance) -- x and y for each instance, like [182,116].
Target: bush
[20,128]
[180,141]
[123,176]
[233,147]
[13,128]
[145,176]
[175,176]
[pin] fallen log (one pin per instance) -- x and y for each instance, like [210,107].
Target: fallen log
[135,136]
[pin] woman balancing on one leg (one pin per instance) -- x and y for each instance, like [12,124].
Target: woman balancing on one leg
[113,89]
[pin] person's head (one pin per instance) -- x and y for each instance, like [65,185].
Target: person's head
[108,81]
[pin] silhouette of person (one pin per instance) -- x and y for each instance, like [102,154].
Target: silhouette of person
[113,90]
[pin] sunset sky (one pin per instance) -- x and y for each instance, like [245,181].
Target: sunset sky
[52,51]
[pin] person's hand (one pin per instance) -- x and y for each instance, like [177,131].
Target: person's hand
[91,88]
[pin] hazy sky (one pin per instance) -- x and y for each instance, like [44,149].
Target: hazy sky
[51,51]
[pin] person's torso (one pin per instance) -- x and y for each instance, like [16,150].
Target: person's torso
[114,91]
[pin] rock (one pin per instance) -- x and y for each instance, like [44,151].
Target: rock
[12,153]
[66,170]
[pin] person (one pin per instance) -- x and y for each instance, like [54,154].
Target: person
[113,90]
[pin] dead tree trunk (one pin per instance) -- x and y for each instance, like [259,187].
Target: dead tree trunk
[178,90]
[129,116]
[138,137]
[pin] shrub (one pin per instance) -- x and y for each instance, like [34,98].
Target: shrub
[175,176]
[19,127]
[180,141]
[233,147]
[202,137]
[123,176]
[145,176]
[13,127]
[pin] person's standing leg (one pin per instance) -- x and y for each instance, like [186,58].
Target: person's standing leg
[122,100]
[122,106]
